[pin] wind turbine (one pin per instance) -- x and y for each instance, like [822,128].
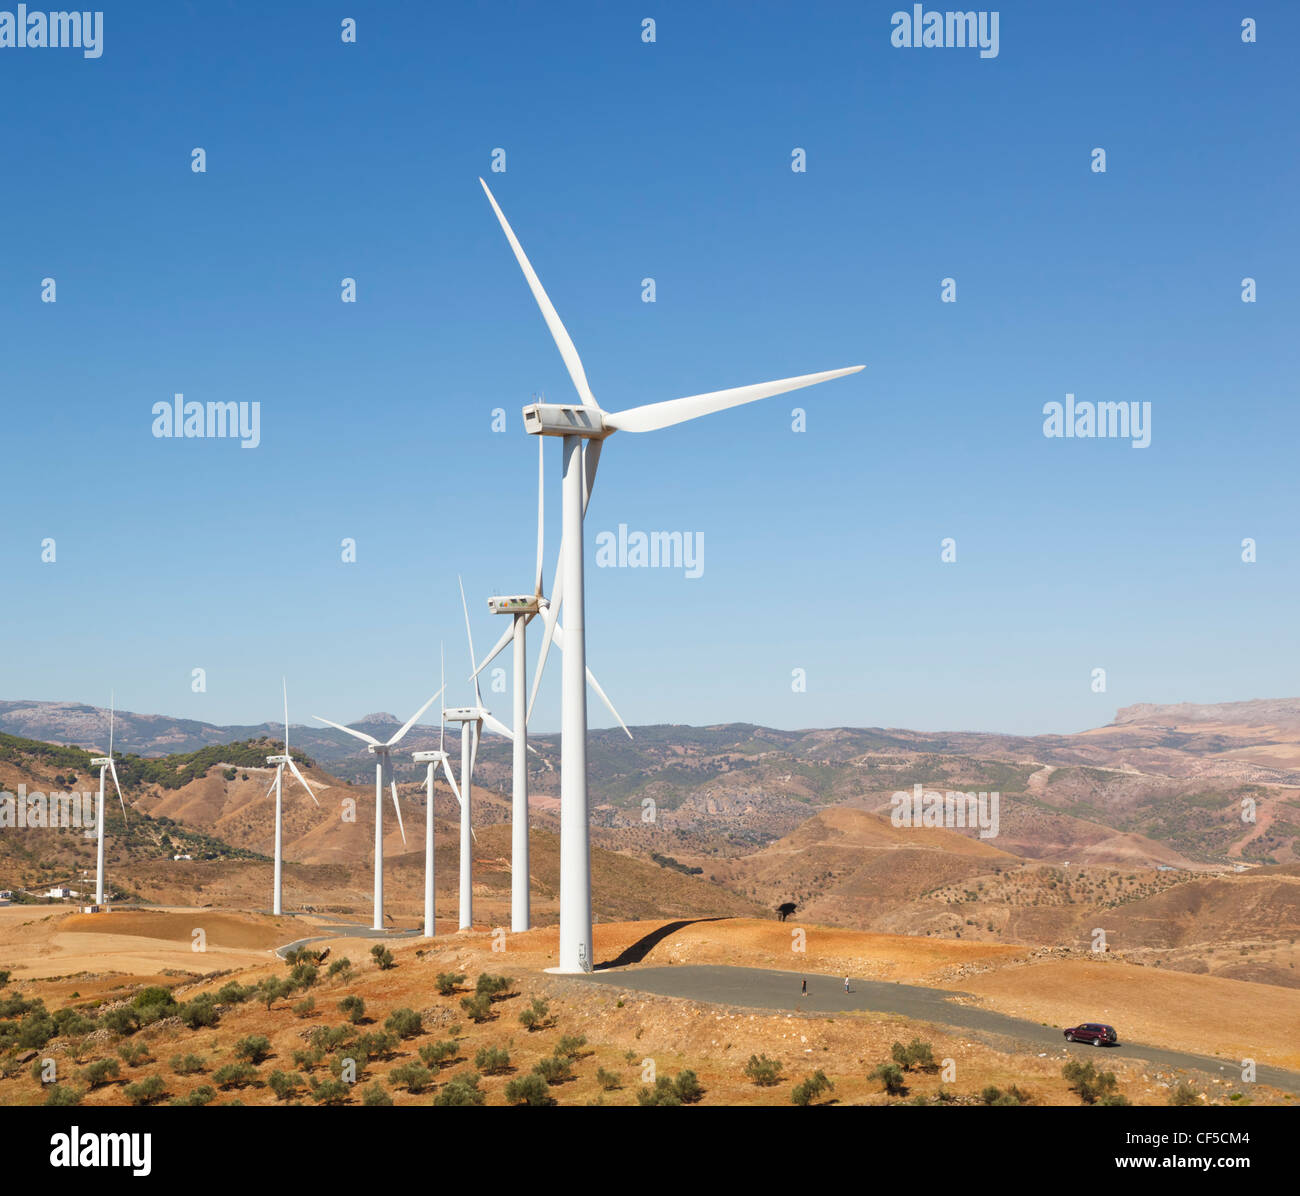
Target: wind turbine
[522,608]
[383,772]
[434,759]
[472,720]
[277,906]
[583,428]
[105,764]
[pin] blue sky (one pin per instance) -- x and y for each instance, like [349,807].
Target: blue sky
[672,161]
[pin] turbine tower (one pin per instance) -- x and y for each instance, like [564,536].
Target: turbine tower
[105,764]
[434,759]
[472,720]
[522,608]
[383,773]
[583,428]
[280,762]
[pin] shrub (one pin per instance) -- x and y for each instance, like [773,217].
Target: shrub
[202,1095]
[664,1092]
[285,1084]
[376,1045]
[809,1089]
[436,1054]
[492,986]
[272,989]
[405,1023]
[146,1091]
[100,1072]
[63,1094]
[234,993]
[1184,1094]
[688,1087]
[255,1048]
[382,956]
[330,1092]
[608,1080]
[477,1008]
[375,1094]
[36,1030]
[463,1090]
[303,975]
[340,967]
[305,1008]
[308,1058]
[187,1065]
[70,1022]
[449,982]
[570,1046]
[537,1016]
[153,1002]
[353,1008]
[916,1056]
[763,1071]
[528,1090]
[413,1076]
[555,1069]
[134,1053]
[1093,1087]
[891,1078]
[329,1038]
[234,1075]
[202,1011]
[492,1060]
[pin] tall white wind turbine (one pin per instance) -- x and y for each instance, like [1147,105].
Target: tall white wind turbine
[522,608]
[472,720]
[105,764]
[434,760]
[583,428]
[281,763]
[383,775]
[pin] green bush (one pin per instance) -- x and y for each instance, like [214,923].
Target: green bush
[382,956]
[664,1092]
[460,1091]
[438,1054]
[146,1091]
[492,1060]
[272,989]
[340,967]
[763,1071]
[688,1087]
[330,1092]
[1184,1094]
[375,1094]
[330,1038]
[477,1008]
[101,1072]
[891,1078]
[234,1075]
[255,1048]
[305,1008]
[608,1080]
[353,1008]
[377,1045]
[555,1069]
[202,1011]
[537,1016]
[810,1088]
[916,1056]
[570,1046]
[308,1058]
[63,1095]
[234,993]
[303,975]
[412,1076]
[449,982]
[202,1095]
[134,1053]
[285,1084]
[405,1023]
[1093,1087]
[186,1065]
[492,986]
[528,1090]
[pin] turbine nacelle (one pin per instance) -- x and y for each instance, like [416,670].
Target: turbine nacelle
[277,759]
[516,604]
[101,762]
[465,714]
[430,757]
[565,419]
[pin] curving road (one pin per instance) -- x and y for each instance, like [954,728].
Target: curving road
[759,988]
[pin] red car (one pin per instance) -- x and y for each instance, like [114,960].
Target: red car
[1093,1032]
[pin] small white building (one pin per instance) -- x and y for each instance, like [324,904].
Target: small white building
[61,891]
[184,856]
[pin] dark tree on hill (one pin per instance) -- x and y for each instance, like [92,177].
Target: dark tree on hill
[785,909]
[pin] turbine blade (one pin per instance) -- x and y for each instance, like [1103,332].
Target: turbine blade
[563,342]
[591,680]
[113,769]
[451,782]
[357,734]
[550,617]
[392,784]
[653,416]
[473,747]
[285,686]
[442,672]
[478,697]
[302,780]
[495,724]
[590,459]
[496,650]
[410,722]
[111,704]
[271,788]
[541,499]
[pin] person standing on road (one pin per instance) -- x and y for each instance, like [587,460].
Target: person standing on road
[804,992]
[846,984]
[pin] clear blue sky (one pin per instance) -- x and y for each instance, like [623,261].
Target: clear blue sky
[672,161]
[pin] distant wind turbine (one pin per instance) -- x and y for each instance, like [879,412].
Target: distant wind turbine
[281,762]
[105,764]
[584,428]
[383,775]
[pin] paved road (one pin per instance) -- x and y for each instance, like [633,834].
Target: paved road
[346,930]
[758,988]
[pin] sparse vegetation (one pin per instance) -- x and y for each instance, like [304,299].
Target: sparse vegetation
[763,1071]
[809,1089]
